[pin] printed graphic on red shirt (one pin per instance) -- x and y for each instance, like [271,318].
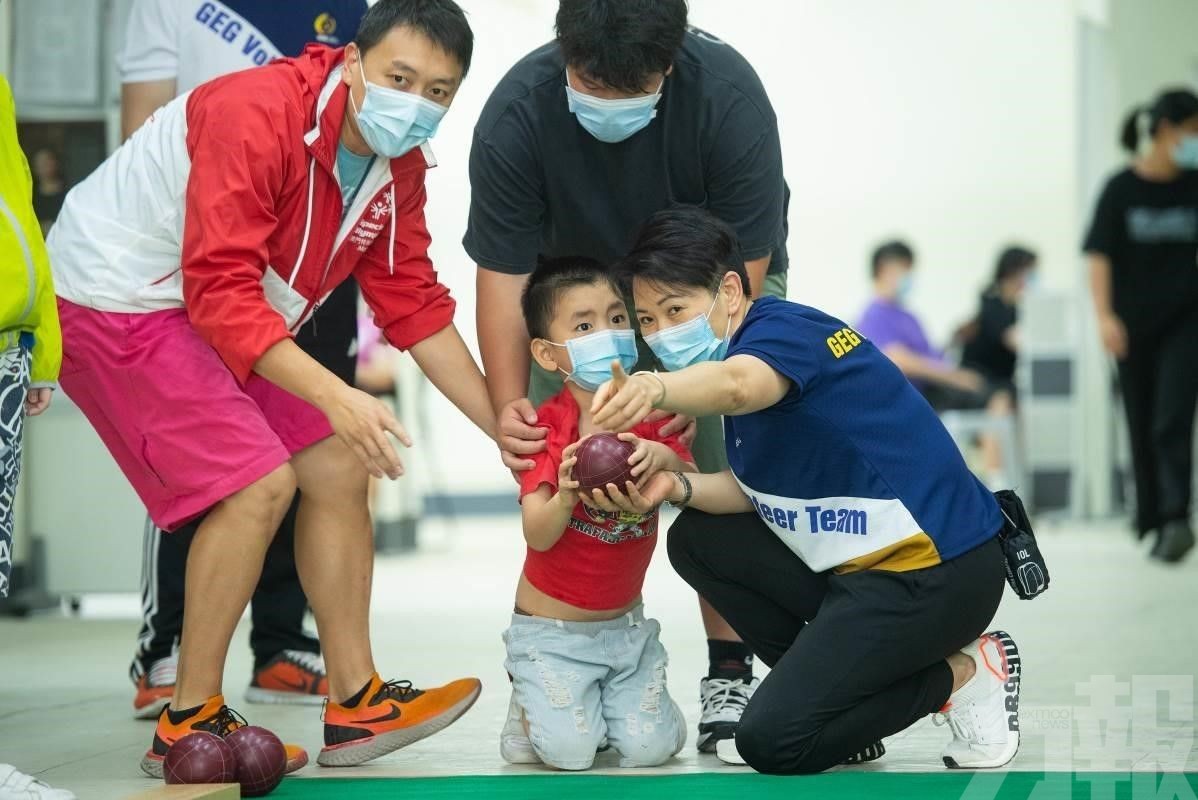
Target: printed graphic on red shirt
[612,527]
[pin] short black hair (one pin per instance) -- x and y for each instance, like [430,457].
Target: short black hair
[685,246]
[620,42]
[552,277]
[895,250]
[1012,261]
[442,21]
[1176,105]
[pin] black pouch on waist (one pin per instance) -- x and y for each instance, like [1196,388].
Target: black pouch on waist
[1026,571]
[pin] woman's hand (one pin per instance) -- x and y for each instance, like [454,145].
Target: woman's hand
[625,400]
[659,488]
[1114,334]
[686,427]
[567,487]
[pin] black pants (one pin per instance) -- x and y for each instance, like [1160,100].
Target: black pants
[854,658]
[278,604]
[1159,382]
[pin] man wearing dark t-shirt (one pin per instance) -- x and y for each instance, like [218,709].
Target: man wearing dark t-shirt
[627,112]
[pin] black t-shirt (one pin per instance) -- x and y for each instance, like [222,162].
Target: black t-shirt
[542,185]
[1149,231]
[47,207]
[986,352]
[330,335]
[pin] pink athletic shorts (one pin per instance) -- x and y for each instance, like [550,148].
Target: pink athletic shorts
[183,431]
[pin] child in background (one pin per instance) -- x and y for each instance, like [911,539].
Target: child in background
[587,667]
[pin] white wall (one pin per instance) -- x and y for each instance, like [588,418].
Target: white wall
[951,124]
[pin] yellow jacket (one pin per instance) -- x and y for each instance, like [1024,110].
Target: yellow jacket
[27,302]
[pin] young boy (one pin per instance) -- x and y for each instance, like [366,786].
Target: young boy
[586,665]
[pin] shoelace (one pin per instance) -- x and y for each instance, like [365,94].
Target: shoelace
[309,661]
[720,692]
[223,722]
[164,671]
[959,721]
[397,690]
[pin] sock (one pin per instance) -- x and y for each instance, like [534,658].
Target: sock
[177,717]
[729,660]
[357,698]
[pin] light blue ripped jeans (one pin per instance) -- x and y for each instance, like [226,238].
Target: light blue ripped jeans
[579,682]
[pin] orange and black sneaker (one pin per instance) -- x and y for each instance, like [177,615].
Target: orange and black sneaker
[293,676]
[213,717]
[384,717]
[155,688]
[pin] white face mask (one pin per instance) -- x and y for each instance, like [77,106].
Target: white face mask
[612,121]
[393,122]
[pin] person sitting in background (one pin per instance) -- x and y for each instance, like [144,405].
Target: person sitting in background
[992,348]
[899,335]
[49,188]
[578,610]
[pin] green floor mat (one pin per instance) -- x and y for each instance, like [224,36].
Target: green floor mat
[750,786]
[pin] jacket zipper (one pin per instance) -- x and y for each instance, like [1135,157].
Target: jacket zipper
[32,274]
[314,304]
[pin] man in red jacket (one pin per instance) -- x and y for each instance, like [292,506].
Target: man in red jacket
[185,264]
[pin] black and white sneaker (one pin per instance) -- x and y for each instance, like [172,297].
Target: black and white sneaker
[984,713]
[726,750]
[723,701]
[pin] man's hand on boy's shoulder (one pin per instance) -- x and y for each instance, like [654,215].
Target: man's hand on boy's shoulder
[519,436]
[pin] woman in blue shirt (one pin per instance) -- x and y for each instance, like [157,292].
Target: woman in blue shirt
[866,566]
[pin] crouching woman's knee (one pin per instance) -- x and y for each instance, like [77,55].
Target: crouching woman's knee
[772,749]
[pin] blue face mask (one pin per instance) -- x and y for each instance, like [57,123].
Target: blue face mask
[592,355]
[393,122]
[905,286]
[689,343]
[612,120]
[1185,155]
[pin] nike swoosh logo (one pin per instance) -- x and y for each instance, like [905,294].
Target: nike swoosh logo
[302,686]
[394,714]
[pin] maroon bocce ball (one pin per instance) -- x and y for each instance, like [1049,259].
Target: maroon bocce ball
[261,759]
[603,459]
[199,758]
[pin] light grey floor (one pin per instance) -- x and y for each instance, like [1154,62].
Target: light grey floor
[65,700]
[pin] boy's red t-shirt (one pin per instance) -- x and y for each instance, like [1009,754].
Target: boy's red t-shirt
[601,559]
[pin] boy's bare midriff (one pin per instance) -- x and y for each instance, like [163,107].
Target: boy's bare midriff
[531,600]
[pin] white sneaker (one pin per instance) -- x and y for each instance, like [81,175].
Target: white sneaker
[514,746]
[984,713]
[16,785]
[723,702]
[725,750]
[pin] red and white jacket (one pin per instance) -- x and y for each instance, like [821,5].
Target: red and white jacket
[226,202]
